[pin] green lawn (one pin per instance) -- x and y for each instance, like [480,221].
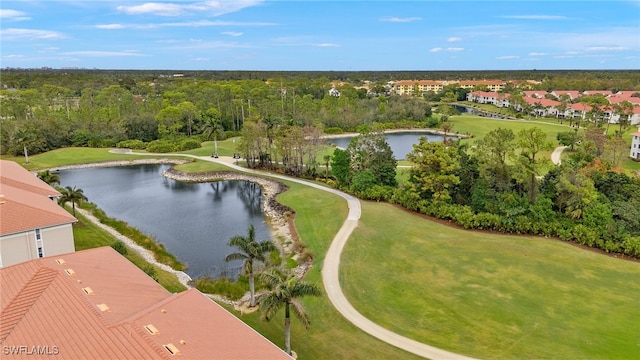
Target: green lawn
[201,166]
[490,295]
[225,148]
[330,335]
[70,156]
[480,126]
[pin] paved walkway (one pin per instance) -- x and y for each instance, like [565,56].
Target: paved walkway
[557,154]
[331,267]
[331,279]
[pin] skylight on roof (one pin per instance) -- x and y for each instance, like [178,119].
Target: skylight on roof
[172,349]
[60,261]
[87,290]
[103,307]
[151,329]
[70,272]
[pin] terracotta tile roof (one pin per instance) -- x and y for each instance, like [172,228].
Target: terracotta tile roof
[42,305]
[11,173]
[543,101]
[25,204]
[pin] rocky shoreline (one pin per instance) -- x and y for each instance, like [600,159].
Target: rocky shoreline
[280,217]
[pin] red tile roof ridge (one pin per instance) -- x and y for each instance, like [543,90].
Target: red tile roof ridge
[29,187]
[169,299]
[9,197]
[24,299]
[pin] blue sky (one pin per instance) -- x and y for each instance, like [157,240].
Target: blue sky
[321,35]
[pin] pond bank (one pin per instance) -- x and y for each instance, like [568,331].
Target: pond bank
[279,217]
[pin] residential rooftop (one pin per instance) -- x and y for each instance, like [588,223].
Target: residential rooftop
[95,304]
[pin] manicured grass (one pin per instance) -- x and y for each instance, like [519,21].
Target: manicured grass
[480,126]
[319,215]
[225,148]
[70,156]
[490,295]
[87,236]
[201,166]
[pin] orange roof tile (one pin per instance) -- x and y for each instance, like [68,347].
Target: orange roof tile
[21,210]
[41,305]
[11,173]
[25,204]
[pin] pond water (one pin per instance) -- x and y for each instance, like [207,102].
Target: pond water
[401,143]
[194,221]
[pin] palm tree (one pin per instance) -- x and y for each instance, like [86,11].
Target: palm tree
[327,159]
[48,177]
[446,128]
[250,250]
[73,195]
[212,126]
[285,290]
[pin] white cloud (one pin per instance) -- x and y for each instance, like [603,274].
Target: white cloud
[508,57]
[214,8]
[13,15]
[98,53]
[193,24]
[13,56]
[203,23]
[232,33]
[400,20]
[605,48]
[195,44]
[110,26]
[449,49]
[454,39]
[538,54]
[49,49]
[29,34]
[326,45]
[160,9]
[536,17]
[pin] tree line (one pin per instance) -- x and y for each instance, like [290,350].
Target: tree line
[502,183]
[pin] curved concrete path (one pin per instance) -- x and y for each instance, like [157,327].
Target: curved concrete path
[331,273]
[557,154]
[331,278]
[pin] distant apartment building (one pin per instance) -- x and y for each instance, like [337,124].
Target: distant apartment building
[32,224]
[635,145]
[540,105]
[421,87]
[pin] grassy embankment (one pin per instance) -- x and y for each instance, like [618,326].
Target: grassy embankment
[70,156]
[88,235]
[490,295]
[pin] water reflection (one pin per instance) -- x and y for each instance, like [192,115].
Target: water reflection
[193,220]
[401,143]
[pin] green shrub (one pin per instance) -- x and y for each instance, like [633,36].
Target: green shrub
[161,146]
[151,271]
[274,258]
[120,247]
[131,144]
[333,130]
[224,287]
[189,144]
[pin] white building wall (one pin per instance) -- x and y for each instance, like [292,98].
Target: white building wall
[20,247]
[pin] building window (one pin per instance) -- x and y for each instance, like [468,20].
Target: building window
[39,243]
